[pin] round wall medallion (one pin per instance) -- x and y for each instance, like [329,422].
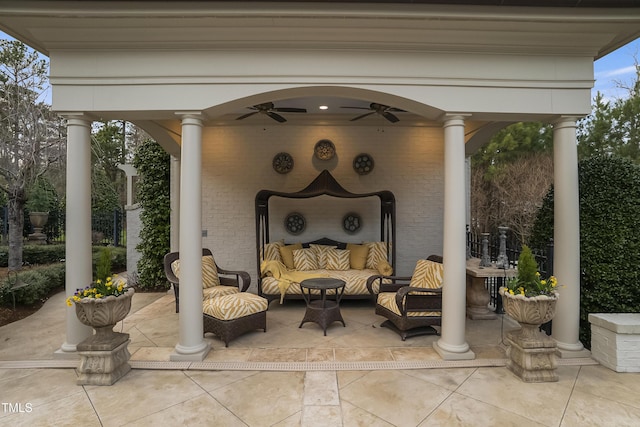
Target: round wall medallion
[295,223]
[283,163]
[324,149]
[351,222]
[363,163]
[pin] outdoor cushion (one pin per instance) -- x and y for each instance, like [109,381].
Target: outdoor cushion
[377,253]
[216,291]
[209,272]
[358,255]
[321,253]
[388,301]
[427,274]
[229,307]
[385,268]
[305,259]
[338,259]
[272,251]
[286,252]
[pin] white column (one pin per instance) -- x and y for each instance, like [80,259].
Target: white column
[566,260]
[191,345]
[78,227]
[175,204]
[452,344]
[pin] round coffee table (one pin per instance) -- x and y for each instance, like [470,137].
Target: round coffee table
[322,311]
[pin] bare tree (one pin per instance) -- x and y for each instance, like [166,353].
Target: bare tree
[31,136]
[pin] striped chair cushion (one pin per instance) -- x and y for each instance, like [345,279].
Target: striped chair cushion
[377,252]
[427,274]
[338,259]
[216,291]
[229,307]
[305,259]
[388,301]
[209,272]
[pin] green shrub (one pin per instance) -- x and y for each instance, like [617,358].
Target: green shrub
[152,163]
[609,237]
[103,266]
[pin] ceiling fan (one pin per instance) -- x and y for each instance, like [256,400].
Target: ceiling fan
[269,109]
[375,108]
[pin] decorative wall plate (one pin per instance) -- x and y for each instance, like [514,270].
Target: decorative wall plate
[351,222]
[363,163]
[283,163]
[324,149]
[295,223]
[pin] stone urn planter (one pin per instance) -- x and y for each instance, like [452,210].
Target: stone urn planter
[532,354]
[104,356]
[38,221]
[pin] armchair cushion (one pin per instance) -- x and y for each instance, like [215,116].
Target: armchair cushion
[388,301]
[235,306]
[427,274]
[209,271]
[216,291]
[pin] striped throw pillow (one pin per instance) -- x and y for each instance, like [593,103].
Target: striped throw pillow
[321,254]
[305,259]
[377,253]
[272,251]
[338,259]
[428,274]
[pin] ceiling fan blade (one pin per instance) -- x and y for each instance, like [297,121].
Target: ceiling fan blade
[244,116]
[397,110]
[387,115]
[356,108]
[362,116]
[290,110]
[276,117]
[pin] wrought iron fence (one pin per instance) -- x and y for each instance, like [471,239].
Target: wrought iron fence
[544,258]
[107,228]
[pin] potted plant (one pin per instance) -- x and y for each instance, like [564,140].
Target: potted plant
[531,301]
[102,304]
[38,204]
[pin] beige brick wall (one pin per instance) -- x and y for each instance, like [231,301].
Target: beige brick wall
[237,163]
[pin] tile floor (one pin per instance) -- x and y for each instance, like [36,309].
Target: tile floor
[361,375]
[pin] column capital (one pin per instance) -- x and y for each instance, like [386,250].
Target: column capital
[565,121]
[76,118]
[454,119]
[191,117]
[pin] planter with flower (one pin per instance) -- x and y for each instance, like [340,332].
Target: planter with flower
[104,355]
[531,301]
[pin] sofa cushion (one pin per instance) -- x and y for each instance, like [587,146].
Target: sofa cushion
[377,252]
[427,274]
[321,254]
[338,259]
[355,282]
[272,251]
[357,256]
[305,259]
[286,252]
[209,271]
[229,307]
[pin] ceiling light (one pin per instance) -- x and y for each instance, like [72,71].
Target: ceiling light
[324,107]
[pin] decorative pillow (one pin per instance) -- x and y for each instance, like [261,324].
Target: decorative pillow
[338,259]
[209,272]
[321,254]
[272,251]
[286,252]
[428,274]
[305,259]
[385,268]
[358,256]
[377,252]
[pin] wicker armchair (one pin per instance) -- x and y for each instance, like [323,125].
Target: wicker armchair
[238,280]
[410,311]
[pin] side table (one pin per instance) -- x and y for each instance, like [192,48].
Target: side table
[322,311]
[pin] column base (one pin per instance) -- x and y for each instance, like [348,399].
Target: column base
[62,354]
[198,355]
[573,354]
[450,355]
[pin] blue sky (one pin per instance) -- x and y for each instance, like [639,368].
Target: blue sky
[617,67]
[610,71]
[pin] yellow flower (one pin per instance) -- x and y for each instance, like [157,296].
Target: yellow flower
[511,292]
[98,281]
[543,282]
[69,303]
[537,274]
[76,298]
[98,295]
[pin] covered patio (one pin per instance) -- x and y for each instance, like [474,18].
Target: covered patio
[186,75]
